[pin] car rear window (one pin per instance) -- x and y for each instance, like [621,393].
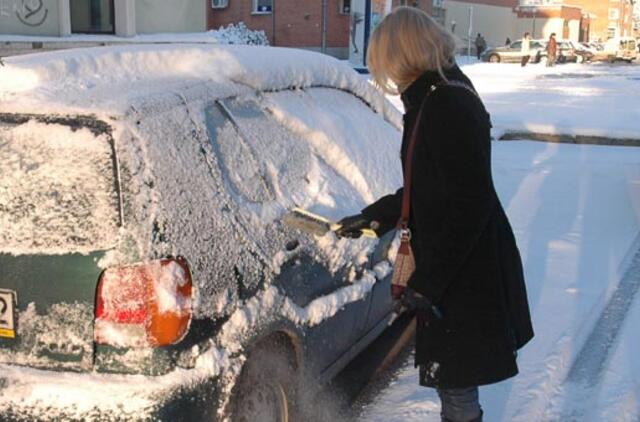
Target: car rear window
[57,189]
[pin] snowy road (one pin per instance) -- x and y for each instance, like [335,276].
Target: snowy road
[575,210]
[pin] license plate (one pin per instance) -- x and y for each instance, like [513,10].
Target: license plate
[8,300]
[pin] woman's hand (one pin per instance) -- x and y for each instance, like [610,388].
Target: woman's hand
[407,299]
[352,226]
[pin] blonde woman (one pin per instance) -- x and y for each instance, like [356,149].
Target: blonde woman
[468,287]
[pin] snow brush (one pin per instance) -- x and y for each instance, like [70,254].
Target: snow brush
[316,224]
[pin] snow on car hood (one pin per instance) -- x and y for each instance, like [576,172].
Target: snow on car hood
[110,78]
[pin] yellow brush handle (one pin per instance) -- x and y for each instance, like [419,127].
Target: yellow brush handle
[369,233]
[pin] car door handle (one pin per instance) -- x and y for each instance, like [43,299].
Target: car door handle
[292,245]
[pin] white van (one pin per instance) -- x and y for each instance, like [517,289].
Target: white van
[621,48]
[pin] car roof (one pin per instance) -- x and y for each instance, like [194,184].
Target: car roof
[110,79]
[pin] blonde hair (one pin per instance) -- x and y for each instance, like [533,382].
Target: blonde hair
[407,43]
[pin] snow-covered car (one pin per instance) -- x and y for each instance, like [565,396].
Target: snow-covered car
[512,53]
[145,270]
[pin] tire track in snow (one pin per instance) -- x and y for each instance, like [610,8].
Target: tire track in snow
[591,360]
[588,368]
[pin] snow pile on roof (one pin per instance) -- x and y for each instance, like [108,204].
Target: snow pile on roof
[108,78]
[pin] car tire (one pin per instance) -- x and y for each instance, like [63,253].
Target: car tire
[494,58]
[267,388]
[538,57]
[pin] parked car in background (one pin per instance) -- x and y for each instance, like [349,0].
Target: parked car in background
[145,270]
[568,52]
[621,48]
[511,53]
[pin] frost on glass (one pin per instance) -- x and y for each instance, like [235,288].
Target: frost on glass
[57,190]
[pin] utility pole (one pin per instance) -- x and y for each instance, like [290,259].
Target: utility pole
[470,31]
[324,26]
[533,31]
[367,30]
[273,21]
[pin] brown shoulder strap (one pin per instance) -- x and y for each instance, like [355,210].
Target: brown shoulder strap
[403,224]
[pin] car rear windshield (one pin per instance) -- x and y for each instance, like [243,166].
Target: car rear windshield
[58,191]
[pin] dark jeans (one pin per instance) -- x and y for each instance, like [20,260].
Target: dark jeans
[525,60]
[460,405]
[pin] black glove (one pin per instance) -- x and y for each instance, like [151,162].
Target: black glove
[352,226]
[413,301]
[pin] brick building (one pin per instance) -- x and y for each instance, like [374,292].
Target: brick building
[609,18]
[599,20]
[290,23]
[568,22]
[300,23]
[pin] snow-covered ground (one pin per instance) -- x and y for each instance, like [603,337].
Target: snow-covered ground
[575,210]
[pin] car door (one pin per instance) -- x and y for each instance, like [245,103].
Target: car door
[359,151]
[513,52]
[268,169]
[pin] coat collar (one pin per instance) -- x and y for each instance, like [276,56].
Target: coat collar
[412,96]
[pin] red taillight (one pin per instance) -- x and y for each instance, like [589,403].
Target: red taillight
[142,305]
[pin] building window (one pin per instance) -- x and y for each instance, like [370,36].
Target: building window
[614,14]
[611,32]
[345,7]
[92,16]
[262,6]
[219,4]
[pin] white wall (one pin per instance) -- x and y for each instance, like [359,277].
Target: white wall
[171,16]
[574,30]
[544,28]
[494,23]
[15,19]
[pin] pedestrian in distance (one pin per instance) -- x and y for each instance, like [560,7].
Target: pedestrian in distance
[467,286]
[525,49]
[481,45]
[507,42]
[552,50]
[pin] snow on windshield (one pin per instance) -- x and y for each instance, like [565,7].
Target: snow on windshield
[45,207]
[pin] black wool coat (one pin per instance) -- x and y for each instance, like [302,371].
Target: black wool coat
[467,260]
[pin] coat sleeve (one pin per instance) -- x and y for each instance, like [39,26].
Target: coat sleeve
[460,148]
[386,211]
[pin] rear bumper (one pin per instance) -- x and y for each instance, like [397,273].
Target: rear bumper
[29,394]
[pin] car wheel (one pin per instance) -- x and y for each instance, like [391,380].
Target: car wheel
[494,58]
[267,388]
